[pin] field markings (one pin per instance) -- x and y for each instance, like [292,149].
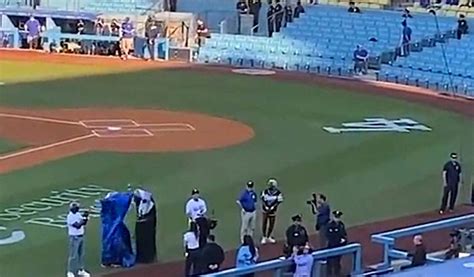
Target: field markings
[48,146]
[39,118]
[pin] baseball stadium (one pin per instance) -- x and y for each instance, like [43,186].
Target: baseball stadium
[236,138]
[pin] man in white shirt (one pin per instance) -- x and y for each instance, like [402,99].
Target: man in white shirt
[196,209]
[76,223]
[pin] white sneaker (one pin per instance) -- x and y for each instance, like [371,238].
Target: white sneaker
[70,274]
[83,273]
[264,240]
[271,240]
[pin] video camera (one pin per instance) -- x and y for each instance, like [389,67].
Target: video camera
[313,200]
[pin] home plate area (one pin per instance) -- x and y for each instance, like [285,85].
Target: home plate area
[128,128]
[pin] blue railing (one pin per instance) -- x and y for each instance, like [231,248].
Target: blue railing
[387,239]
[279,266]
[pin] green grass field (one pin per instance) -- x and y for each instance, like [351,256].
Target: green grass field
[369,176]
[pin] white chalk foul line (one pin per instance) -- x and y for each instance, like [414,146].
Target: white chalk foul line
[44,147]
[169,125]
[39,118]
[145,133]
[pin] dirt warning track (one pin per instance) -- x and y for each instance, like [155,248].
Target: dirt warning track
[55,134]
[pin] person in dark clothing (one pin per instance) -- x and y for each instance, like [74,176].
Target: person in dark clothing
[242,7]
[192,250]
[255,6]
[322,210]
[279,13]
[296,235]
[145,227]
[336,236]
[271,19]
[80,27]
[212,256]
[299,9]
[173,5]
[151,34]
[353,8]
[202,32]
[418,256]
[451,179]
[463,27]
[406,14]
[406,39]
[455,246]
[288,14]
[271,198]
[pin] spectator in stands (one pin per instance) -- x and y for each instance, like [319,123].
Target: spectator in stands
[80,27]
[173,5]
[299,9]
[296,235]
[288,14]
[126,40]
[303,261]
[279,13]
[201,32]
[212,256]
[255,6]
[361,60]
[99,26]
[455,246]
[353,8]
[271,19]
[247,254]
[463,27]
[419,254]
[33,28]
[406,39]
[191,246]
[322,210]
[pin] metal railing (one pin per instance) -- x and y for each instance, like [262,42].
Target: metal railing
[387,239]
[279,266]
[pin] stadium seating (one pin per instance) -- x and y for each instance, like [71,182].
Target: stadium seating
[428,68]
[323,39]
[119,6]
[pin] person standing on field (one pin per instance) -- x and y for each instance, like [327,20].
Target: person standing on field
[126,41]
[76,223]
[451,179]
[247,203]
[271,199]
[196,209]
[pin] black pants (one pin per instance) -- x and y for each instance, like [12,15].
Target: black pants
[173,5]
[270,24]
[278,21]
[472,194]
[450,191]
[192,263]
[334,266]
[203,226]
[150,44]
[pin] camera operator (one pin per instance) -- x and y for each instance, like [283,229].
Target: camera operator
[296,235]
[322,210]
[455,246]
[76,223]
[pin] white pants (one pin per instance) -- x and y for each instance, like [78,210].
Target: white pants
[248,221]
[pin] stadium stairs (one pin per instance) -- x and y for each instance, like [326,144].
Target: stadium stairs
[323,39]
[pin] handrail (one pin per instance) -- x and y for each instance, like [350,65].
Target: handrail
[281,264]
[252,30]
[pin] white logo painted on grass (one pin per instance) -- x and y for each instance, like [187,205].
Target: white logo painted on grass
[14,237]
[469,265]
[257,72]
[402,125]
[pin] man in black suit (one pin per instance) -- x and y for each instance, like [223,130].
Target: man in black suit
[255,6]
[271,19]
[451,179]
[279,13]
[212,256]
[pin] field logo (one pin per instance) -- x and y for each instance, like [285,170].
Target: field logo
[15,236]
[379,124]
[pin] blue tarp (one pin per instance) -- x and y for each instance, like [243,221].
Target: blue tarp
[116,241]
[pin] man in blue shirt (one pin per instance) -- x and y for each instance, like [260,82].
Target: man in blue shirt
[406,39]
[33,27]
[247,203]
[321,209]
[361,58]
[127,37]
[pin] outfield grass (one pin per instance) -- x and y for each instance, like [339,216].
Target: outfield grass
[369,176]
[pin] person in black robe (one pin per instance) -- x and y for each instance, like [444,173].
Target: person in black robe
[279,13]
[212,256]
[145,227]
[270,19]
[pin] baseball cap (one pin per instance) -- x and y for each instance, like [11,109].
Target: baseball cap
[195,191]
[272,182]
[454,155]
[296,217]
[337,214]
[250,184]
